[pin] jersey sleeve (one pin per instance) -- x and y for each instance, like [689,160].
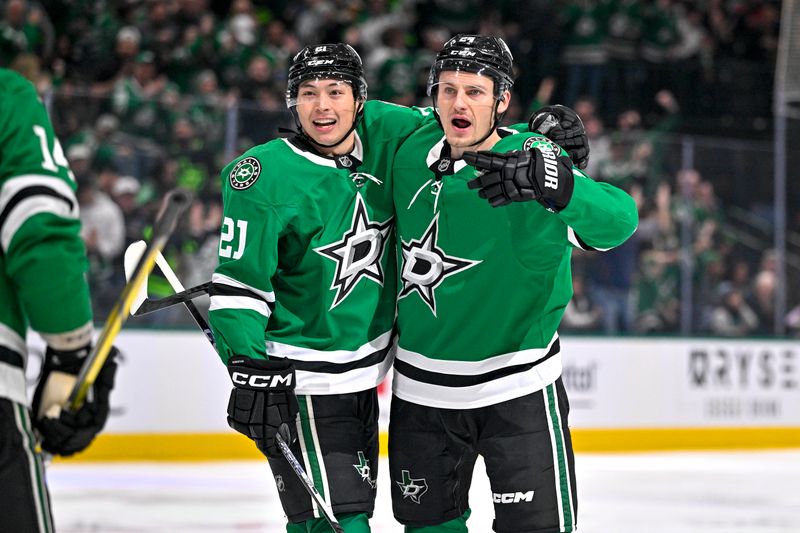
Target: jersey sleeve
[42,252]
[599,216]
[242,296]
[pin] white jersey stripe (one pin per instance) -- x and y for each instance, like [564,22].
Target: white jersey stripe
[473,368]
[356,380]
[12,383]
[12,378]
[267,296]
[239,302]
[11,187]
[11,340]
[357,152]
[488,393]
[279,349]
[27,208]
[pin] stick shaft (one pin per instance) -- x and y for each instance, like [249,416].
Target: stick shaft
[327,512]
[176,203]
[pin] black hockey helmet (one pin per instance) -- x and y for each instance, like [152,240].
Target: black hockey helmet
[337,61]
[479,54]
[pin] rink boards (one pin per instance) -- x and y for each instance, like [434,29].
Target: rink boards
[626,394]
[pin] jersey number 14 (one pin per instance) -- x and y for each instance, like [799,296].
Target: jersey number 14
[57,159]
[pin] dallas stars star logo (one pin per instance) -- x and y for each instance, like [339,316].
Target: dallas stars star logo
[358,254]
[425,266]
[413,488]
[364,470]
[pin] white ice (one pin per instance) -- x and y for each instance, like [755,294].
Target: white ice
[742,492]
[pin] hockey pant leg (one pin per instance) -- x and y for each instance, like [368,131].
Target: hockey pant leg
[457,525]
[352,523]
[25,504]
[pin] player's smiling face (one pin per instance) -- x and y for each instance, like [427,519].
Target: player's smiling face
[465,102]
[326,109]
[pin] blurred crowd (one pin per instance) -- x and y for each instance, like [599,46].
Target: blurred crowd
[150,94]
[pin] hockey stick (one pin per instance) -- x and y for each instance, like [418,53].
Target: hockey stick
[157,304]
[175,203]
[182,295]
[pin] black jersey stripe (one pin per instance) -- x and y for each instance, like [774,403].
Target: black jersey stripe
[11,357]
[454,380]
[221,289]
[324,367]
[27,192]
[583,244]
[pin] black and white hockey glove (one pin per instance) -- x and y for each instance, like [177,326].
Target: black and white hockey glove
[562,124]
[262,401]
[523,175]
[65,432]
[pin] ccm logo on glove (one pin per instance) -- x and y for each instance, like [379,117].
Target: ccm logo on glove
[262,382]
[256,378]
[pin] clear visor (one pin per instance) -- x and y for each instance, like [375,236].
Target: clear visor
[474,89]
[311,90]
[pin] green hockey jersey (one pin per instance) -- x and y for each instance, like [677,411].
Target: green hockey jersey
[307,255]
[42,258]
[483,289]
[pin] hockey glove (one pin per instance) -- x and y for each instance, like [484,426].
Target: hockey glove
[563,125]
[523,175]
[262,401]
[65,432]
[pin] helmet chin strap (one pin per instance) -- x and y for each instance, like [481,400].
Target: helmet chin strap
[307,137]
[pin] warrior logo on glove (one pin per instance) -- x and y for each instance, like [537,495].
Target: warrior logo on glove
[542,173]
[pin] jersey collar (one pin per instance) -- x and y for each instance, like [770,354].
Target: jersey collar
[435,153]
[323,160]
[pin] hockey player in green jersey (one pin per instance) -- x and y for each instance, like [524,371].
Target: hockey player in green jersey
[307,255]
[42,286]
[483,289]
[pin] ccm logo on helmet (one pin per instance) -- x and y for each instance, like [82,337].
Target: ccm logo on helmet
[317,62]
[262,382]
[512,497]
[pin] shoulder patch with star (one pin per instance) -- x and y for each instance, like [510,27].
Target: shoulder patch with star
[245,173]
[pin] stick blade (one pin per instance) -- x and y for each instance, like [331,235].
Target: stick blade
[133,254]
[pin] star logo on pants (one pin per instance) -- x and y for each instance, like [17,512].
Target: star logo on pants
[412,488]
[426,266]
[359,252]
[364,470]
